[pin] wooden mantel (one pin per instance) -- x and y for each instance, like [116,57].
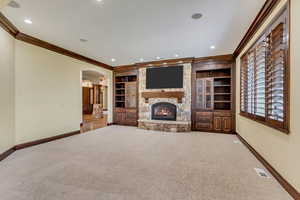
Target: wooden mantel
[163,94]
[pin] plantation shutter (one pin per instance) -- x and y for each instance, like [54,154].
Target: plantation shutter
[253,80]
[276,75]
[264,77]
[259,77]
[244,88]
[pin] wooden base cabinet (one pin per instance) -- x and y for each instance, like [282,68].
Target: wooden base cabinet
[126,116]
[213,122]
[223,121]
[204,121]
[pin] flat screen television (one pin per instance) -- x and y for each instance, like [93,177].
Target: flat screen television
[164,77]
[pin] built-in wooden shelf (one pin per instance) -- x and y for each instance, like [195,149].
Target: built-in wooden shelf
[222,93]
[222,85]
[222,101]
[220,77]
[163,94]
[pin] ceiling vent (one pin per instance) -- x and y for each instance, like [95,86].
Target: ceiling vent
[197,16]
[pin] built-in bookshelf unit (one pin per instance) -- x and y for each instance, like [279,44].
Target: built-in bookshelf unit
[125,112]
[122,86]
[212,96]
[213,88]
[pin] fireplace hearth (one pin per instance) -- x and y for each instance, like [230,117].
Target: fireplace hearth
[164,111]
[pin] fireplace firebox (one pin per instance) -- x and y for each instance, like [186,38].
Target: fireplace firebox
[164,111]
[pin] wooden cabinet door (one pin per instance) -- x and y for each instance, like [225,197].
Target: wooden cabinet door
[218,123]
[131,117]
[130,95]
[120,117]
[209,94]
[200,93]
[227,124]
[204,121]
[204,93]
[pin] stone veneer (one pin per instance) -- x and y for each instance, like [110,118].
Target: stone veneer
[183,121]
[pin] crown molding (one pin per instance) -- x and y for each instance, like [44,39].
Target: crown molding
[12,30]
[125,68]
[256,24]
[8,26]
[40,43]
[263,14]
[221,58]
[166,62]
[157,63]
[178,61]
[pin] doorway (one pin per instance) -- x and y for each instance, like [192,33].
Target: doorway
[94,101]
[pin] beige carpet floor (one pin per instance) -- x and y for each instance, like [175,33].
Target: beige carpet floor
[126,163]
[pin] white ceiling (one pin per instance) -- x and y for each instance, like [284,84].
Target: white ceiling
[128,30]
[92,76]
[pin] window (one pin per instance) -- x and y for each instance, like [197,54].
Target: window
[264,76]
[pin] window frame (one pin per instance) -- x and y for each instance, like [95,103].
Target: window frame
[281,126]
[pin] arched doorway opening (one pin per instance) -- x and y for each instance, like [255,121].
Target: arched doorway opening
[94,100]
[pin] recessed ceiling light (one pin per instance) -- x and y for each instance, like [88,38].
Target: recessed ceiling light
[113,60]
[212,47]
[99,0]
[14,4]
[158,58]
[28,21]
[197,16]
[176,55]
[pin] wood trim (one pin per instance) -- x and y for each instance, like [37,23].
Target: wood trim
[7,153]
[262,120]
[158,63]
[40,43]
[283,182]
[163,94]
[45,140]
[285,128]
[256,24]
[8,26]
[125,68]
[11,29]
[221,58]
[178,61]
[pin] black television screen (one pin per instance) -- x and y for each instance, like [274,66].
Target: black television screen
[164,77]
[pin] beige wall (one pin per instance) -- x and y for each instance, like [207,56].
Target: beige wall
[3,3]
[280,150]
[7,137]
[48,92]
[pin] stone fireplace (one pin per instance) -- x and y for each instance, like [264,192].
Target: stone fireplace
[165,109]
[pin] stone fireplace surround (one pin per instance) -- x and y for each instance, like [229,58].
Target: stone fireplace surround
[183,104]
